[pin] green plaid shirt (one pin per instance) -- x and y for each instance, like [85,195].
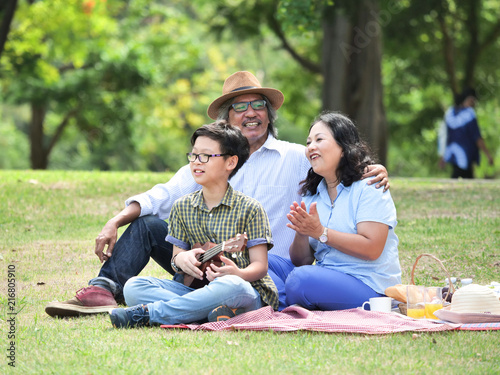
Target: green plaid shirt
[191,222]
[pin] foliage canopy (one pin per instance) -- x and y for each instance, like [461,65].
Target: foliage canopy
[122,85]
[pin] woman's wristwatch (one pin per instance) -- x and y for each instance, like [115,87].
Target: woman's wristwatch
[324,237]
[174,266]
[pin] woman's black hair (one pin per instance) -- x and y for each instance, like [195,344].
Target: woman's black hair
[356,153]
[230,138]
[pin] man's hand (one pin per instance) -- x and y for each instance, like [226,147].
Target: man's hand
[109,232]
[108,237]
[381,176]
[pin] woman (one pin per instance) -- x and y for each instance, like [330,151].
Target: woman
[343,225]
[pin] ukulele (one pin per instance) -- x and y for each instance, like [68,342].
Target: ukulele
[212,256]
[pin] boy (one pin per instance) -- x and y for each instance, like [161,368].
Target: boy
[213,214]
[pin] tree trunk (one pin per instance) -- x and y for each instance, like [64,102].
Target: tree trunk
[472,25]
[336,33]
[352,56]
[9,9]
[39,156]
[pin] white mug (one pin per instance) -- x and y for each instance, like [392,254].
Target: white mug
[382,304]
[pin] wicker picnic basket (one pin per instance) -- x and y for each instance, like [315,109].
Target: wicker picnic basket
[402,306]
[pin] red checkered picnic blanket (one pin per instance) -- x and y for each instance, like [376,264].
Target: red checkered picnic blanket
[296,318]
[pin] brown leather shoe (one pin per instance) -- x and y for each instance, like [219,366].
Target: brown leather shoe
[87,301]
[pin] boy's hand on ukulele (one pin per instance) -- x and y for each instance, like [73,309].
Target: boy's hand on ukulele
[236,244]
[189,263]
[229,268]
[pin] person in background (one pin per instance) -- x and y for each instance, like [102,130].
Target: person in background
[342,225]
[463,137]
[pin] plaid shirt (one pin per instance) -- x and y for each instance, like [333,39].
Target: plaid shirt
[192,222]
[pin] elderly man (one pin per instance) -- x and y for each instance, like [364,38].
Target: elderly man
[271,175]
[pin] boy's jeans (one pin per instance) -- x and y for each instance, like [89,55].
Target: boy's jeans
[171,302]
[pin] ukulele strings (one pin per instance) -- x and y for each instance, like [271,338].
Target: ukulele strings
[210,253]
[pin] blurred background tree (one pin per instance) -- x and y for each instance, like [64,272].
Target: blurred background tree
[433,49]
[339,43]
[112,84]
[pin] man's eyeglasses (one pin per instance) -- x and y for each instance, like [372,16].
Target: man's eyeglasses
[243,106]
[203,158]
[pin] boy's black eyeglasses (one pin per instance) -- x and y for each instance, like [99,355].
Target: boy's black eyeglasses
[243,106]
[203,158]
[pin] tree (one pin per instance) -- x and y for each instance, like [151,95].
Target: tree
[121,85]
[84,64]
[58,66]
[7,10]
[352,67]
[453,36]
[432,50]
[479,32]
[343,48]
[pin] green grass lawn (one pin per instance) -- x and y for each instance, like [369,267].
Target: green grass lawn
[48,222]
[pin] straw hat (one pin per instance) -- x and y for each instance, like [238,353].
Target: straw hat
[475,298]
[241,83]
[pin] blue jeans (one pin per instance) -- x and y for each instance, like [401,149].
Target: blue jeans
[279,269]
[171,302]
[143,239]
[320,288]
